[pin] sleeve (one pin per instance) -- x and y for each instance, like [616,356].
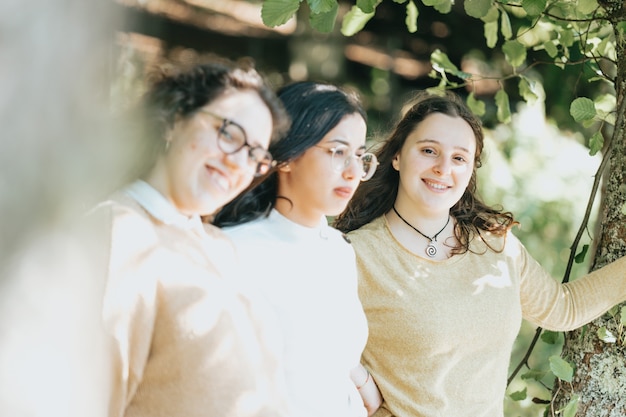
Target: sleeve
[129,300]
[562,307]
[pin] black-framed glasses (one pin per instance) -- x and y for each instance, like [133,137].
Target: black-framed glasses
[342,158]
[231,138]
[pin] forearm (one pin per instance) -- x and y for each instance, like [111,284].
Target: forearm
[365,384]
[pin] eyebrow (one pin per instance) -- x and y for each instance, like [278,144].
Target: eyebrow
[439,143]
[345,142]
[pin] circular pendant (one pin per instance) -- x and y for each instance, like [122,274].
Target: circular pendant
[431,250]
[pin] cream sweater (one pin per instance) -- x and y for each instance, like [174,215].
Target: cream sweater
[441,332]
[185,341]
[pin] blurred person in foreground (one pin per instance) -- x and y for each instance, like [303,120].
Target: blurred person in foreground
[186,340]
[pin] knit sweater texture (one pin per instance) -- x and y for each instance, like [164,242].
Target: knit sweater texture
[185,341]
[441,332]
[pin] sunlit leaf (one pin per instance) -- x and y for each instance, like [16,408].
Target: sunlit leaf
[476,106]
[477,8]
[324,22]
[514,52]
[505,26]
[278,12]
[441,60]
[596,143]
[322,6]
[527,90]
[503,108]
[491,33]
[534,375]
[586,6]
[571,408]
[561,368]
[550,337]
[550,48]
[605,335]
[492,15]
[354,21]
[582,108]
[622,316]
[534,7]
[442,6]
[411,16]
[580,256]
[367,6]
[518,395]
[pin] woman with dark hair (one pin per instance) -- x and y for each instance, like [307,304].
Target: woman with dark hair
[186,341]
[443,281]
[305,268]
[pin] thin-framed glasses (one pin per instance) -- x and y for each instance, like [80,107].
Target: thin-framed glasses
[341,158]
[231,138]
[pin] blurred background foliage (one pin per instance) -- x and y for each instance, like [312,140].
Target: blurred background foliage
[537,167]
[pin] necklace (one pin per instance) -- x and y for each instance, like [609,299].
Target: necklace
[431,250]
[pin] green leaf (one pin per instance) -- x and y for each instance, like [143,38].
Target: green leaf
[518,395]
[550,337]
[586,6]
[502,102]
[491,33]
[354,21]
[580,256]
[476,106]
[477,8]
[561,368]
[411,17]
[492,15]
[367,6]
[605,335]
[278,12]
[527,90]
[534,375]
[550,48]
[441,60]
[534,7]
[514,52]
[442,6]
[596,143]
[505,26]
[322,6]
[566,37]
[582,108]
[571,408]
[324,22]
[622,315]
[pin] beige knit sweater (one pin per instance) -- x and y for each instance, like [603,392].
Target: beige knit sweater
[441,332]
[185,341]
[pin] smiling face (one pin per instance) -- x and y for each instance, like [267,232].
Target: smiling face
[312,185]
[195,174]
[435,164]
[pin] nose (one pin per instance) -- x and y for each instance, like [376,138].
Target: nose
[443,166]
[237,160]
[352,168]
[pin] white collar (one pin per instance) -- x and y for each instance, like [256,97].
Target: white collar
[159,207]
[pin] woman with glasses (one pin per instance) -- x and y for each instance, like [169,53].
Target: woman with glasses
[305,268]
[185,340]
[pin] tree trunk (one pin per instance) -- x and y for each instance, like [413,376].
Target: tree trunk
[600,374]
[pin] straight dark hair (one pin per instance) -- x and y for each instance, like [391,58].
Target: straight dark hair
[314,109]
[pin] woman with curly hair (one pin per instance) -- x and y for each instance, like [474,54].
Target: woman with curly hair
[443,281]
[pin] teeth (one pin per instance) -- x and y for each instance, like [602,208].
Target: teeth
[437,186]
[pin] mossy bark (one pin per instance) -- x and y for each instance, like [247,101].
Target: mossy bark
[600,375]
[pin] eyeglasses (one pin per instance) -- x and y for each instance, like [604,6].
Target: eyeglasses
[342,157]
[231,138]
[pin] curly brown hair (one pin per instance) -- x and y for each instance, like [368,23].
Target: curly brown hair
[378,195]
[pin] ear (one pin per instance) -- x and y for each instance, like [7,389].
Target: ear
[285,168]
[395,162]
